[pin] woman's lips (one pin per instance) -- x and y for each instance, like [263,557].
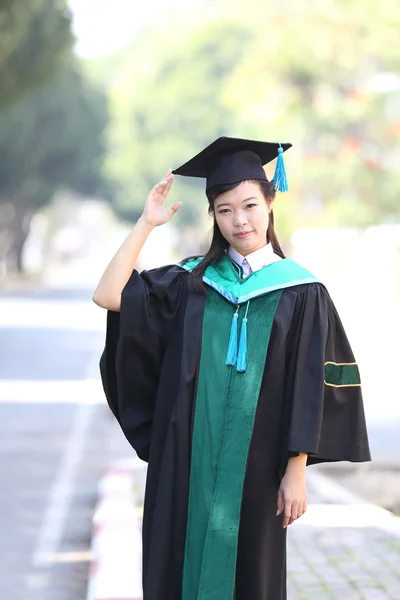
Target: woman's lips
[243,235]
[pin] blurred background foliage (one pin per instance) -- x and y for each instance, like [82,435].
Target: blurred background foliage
[34,39]
[323,75]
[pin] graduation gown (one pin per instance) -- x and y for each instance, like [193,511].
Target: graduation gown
[217,437]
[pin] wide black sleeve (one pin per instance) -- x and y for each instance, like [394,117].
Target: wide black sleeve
[136,338]
[326,415]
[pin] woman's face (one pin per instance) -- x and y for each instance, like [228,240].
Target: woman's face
[242,214]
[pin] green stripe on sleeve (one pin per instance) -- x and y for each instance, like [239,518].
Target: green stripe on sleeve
[342,374]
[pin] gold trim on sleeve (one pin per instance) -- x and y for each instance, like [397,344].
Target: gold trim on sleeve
[329,362]
[343,385]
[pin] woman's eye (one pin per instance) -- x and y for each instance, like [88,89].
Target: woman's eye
[224,210]
[251,205]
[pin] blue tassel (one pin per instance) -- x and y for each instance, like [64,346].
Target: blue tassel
[231,356]
[241,364]
[279,179]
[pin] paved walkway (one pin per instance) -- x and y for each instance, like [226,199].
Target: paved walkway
[342,548]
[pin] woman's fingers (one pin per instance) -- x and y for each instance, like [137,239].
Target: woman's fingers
[174,208]
[157,193]
[293,511]
[167,174]
[167,182]
[161,189]
[280,503]
[170,180]
[287,514]
[294,514]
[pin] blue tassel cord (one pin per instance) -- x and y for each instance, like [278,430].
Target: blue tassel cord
[280,179]
[241,365]
[231,356]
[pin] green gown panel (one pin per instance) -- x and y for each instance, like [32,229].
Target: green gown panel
[225,408]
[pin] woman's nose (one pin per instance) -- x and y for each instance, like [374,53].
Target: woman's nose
[239,220]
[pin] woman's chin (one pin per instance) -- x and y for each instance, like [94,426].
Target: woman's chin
[246,245]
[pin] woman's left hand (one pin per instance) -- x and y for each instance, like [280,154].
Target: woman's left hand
[292,495]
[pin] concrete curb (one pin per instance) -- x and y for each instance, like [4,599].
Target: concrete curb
[363,512]
[116,567]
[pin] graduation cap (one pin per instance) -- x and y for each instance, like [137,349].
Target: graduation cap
[230,160]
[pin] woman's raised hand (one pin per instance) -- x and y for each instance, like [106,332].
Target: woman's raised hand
[154,212]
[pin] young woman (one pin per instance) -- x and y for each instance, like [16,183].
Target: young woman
[229,374]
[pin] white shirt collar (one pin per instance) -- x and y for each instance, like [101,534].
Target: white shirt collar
[256,260]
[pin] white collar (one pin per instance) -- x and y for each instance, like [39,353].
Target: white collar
[257,260]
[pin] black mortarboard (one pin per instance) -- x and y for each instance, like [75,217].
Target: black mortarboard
[230,160]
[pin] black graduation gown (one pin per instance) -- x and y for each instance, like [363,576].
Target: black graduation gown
[149,370]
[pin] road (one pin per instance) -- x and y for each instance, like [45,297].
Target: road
[56,436]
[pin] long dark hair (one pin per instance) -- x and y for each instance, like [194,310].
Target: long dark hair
[218,243]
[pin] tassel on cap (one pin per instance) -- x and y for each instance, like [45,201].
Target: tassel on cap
[280,179]
[241,364]
[231,356]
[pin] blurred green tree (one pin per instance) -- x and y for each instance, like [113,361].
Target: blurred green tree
[35,38]
[53,137]
[324,75]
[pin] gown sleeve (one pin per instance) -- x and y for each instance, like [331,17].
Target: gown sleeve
[326,416]
[136,337]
